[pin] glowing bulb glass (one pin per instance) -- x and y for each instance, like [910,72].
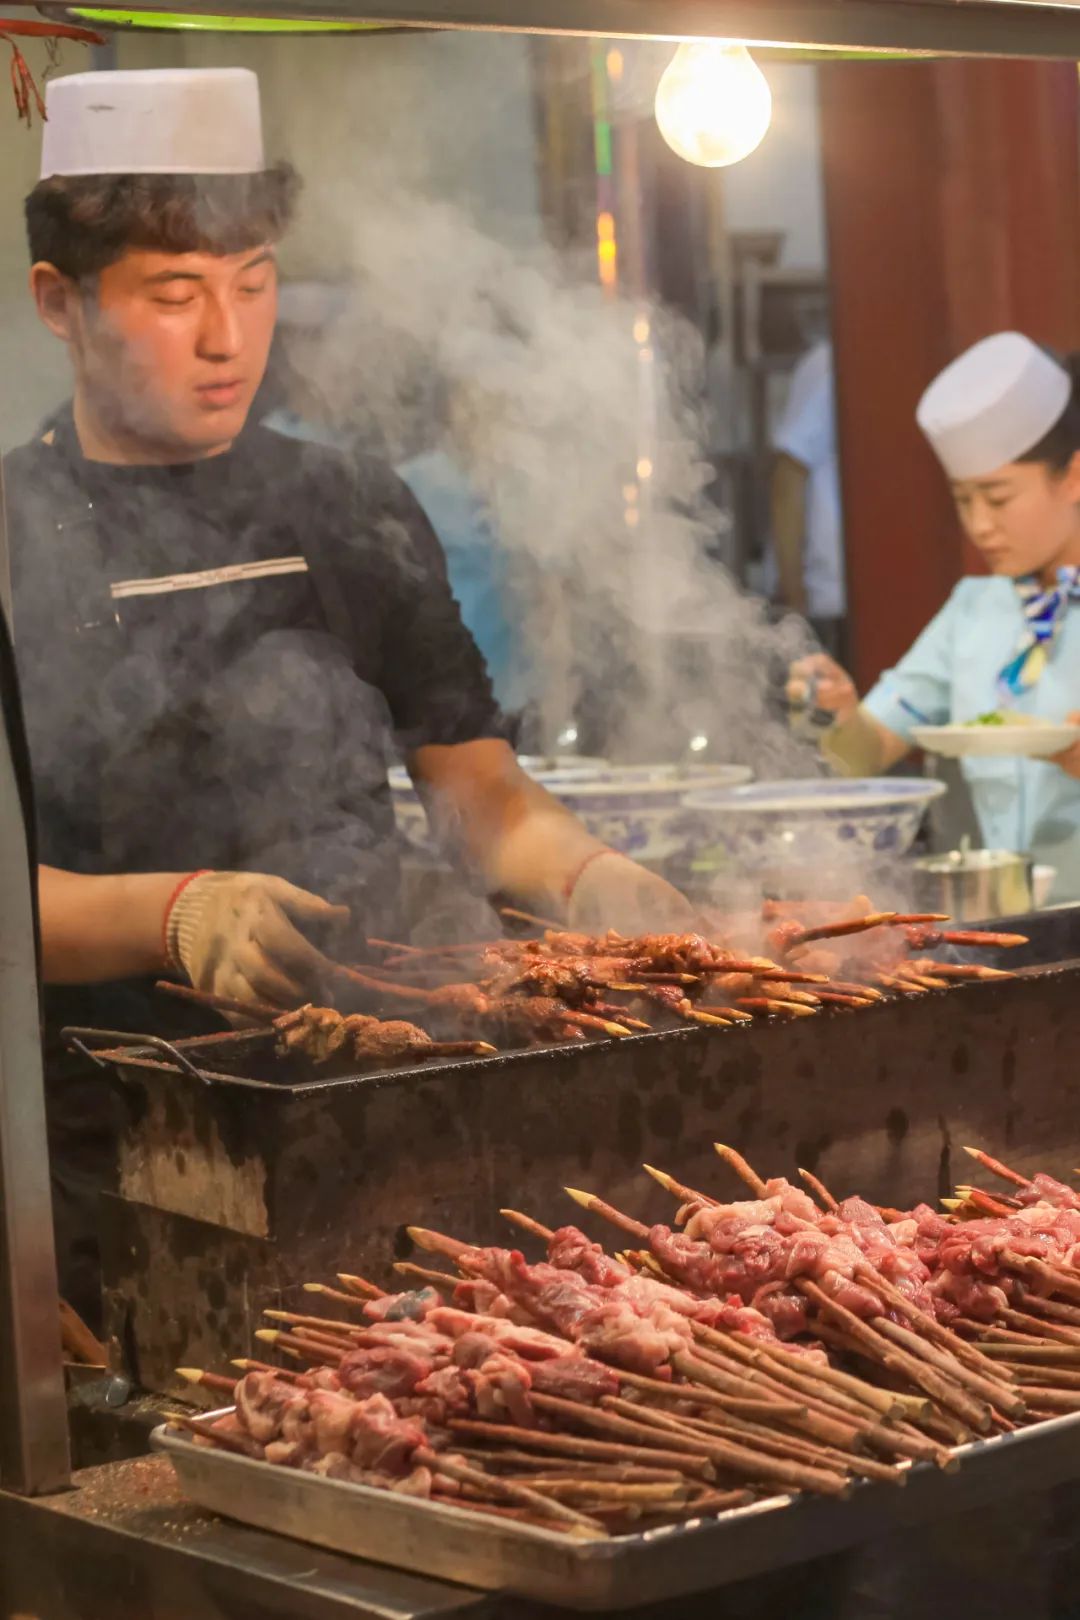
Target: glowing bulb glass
[713,104]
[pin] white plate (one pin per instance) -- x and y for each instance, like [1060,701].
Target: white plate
[1028,739]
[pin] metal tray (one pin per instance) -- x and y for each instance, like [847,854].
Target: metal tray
[626,1571]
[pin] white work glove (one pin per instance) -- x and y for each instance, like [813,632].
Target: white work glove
[612,891]
[232,933]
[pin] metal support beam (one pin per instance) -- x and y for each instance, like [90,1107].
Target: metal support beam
[34,1454]
[951,27]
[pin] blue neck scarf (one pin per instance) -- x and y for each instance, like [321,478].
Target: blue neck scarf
[1044,610]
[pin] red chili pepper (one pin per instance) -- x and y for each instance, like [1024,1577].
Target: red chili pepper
[22,80]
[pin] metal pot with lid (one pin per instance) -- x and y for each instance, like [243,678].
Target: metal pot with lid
[975,884]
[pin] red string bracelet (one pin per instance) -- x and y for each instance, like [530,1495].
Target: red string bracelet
[572,882]
[173,898]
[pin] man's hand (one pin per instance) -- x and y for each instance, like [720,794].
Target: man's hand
[832,688]
[1069,758]
[613,891]
[233,934]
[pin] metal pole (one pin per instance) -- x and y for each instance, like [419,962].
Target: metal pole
[5,558]
[34,1453]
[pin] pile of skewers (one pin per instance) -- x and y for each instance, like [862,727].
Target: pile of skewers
[777,1343]
[561,986]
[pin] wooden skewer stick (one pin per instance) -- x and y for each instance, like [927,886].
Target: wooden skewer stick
[336,1294]
[360,1286]
[424,1274]
[527,1224]
[1017,1349]
[831,1428]
[597,1206]
[732,1457]
[711,1502]
[207,1431]
[1050,1377]
[769,1004]
[852,987]
[919,1372]
[931,1327]
[1053,1400]
[321,1326]
[247,1364]
[838,998]
[1053,1308]
[528,917]
[733,1015]
[585,1490]
[1061,1280]
[437,1242]
[996,1168]
[836,1389]
[1026,1323]
[572,1445]
[495,1485]
[778,1443]
[685,1195]
[514,1462]
[824,1196]
[743,1170]
[260,1012]
[310,1350]
[838,930]
[208,1380]
[992,1391]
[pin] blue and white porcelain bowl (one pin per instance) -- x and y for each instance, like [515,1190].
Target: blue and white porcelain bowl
[640,810]
[796,823]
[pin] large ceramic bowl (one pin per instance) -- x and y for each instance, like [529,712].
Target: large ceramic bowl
[798,823]
[637,809]
[640,810]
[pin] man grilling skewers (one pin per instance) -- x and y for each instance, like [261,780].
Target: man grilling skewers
[221,630]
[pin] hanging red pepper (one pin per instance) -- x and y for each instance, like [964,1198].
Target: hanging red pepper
[22,80]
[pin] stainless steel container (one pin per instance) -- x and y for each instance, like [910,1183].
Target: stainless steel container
[975,884]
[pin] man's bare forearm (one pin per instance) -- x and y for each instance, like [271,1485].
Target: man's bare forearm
[504,827]
[98,928]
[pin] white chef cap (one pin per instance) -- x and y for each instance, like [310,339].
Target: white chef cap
[993,404]
[153,121]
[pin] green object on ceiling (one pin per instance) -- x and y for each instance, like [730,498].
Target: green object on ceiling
[799,53]
[176,22]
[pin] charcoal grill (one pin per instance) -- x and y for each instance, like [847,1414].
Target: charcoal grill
[241,1176]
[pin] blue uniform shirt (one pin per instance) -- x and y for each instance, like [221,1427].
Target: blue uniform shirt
[950,675]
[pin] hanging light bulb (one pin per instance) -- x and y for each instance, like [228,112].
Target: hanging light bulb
[713,104]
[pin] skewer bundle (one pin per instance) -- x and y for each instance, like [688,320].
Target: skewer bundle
[774,1344]
[561,986]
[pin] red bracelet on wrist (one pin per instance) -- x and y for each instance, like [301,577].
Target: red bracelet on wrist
[189,877]
[572,882]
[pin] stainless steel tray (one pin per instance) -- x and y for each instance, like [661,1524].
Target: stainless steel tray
[498,1554]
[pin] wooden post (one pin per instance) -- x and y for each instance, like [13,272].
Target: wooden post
[953,210]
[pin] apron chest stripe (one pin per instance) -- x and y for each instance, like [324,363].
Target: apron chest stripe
[233,574]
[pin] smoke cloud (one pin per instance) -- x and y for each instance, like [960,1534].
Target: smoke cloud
[538,384]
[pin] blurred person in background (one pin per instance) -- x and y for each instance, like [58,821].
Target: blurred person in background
[1004,422]
[807,525]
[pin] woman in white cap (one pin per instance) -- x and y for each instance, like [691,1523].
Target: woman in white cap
[1004,421]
